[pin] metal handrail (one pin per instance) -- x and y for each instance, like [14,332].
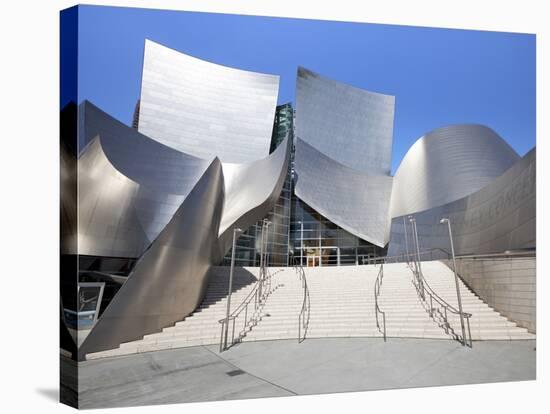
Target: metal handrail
[430,253]
[377,310]
[442,308]
[399,258]
[305,311]
[257,297]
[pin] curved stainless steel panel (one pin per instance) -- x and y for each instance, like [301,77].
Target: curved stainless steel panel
[68,183]
[356,201]
[447,164]
[251,191]
[117,221]
[107,223]
[134,189]
[350,125]
[501,216]
[140,158]
[205,109]
[169,280]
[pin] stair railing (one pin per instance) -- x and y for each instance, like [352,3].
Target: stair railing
[377,310]
[249,312]
[305,311]
[428,254]
[438,309]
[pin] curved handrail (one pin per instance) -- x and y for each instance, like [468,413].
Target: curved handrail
[443,308]
[377,310]
[258,296]
[305,311]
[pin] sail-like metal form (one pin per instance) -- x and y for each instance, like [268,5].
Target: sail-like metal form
[170,194]
[162,194]
[140,198]
[343,154]
[350,125]
[107,220]
[251,191]
[447,164]
[500,216]
[130,188]
[169,280]
[205,109]
[356,201]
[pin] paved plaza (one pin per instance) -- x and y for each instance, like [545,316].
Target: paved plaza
[284,368]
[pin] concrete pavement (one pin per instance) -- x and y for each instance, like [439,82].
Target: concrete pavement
[284,367]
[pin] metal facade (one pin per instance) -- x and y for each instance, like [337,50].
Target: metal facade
[172,193]
[501,216]
[447,164]
[205,109]
[350,125]
[140,198]
[248,246]
[130,186]
[170,278]
[356,201]
[343,154]
[252,190]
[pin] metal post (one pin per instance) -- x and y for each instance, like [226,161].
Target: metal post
[235,231]
[263,255]
[413,256]
[417,245]
[266,242]
[266,255]
[262,249]
[459,298]
[301,243]
[261,276]
[406,241]
[418,266]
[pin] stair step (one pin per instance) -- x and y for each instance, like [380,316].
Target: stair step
[341,305]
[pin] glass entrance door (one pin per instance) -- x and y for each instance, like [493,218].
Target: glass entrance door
[313,261]
[330,256]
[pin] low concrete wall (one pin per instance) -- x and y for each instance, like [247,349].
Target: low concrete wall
[506,284]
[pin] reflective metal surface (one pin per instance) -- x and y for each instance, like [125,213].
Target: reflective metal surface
[356,201]
[141,197]
[447,164]
[129,186]
[68,229]
[205,109]
[501,216]
[251,191]
[138,198]
[107,222]
[317,241]
[343,154]
[169,280]
[350,125]
[248,245]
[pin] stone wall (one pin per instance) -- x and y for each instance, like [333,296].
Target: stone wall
[506,284]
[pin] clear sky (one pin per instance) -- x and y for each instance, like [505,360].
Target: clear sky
[439,76]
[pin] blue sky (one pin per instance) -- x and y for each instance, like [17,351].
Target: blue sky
[439,76]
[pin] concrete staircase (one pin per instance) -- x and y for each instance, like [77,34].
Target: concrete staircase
[202,326]
[342,305]
[406,317]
